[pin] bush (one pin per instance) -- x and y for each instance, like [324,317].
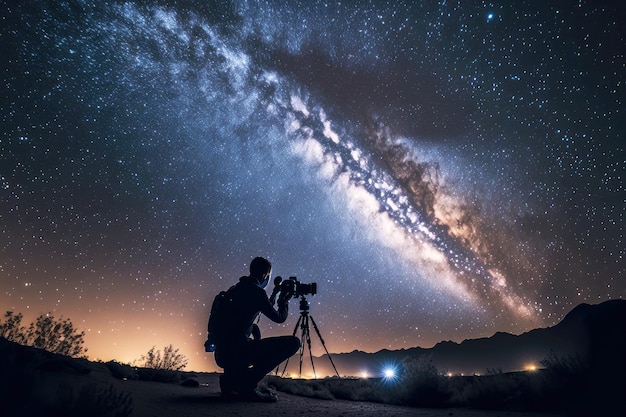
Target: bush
[494,392]
[422,384]
[56,336]
[121,371]
[566,381]
[355,389]
[12,329]
[170,361]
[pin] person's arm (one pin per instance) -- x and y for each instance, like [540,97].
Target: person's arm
[276,315]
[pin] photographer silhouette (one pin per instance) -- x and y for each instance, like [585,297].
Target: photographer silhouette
[236,339]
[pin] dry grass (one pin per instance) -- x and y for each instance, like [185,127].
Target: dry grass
[563,385]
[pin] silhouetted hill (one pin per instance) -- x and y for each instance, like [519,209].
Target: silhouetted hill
[596,331]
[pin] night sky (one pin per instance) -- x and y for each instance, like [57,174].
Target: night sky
[443,170]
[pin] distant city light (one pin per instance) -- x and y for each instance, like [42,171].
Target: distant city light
[364,374]
[389,371]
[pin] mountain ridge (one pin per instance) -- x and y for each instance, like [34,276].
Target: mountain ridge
[584,328]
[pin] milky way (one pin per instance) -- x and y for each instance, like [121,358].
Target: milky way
[441,170]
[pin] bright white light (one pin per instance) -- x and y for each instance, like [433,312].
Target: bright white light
[531,367]
[390,373]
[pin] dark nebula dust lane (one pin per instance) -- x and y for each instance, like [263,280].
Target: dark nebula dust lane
[443,171]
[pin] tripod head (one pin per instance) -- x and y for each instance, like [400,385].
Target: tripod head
[304,305]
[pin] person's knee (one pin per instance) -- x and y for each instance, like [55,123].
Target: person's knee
[293,344]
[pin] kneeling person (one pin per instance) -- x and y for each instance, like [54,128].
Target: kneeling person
[239,349]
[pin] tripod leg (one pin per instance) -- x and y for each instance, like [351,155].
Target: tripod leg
[305,332]
[308,342]
[323,344]
[295,330]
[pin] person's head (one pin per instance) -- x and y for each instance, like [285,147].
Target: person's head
[261,269]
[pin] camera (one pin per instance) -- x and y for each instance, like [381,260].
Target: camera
[292,288]
[297,288]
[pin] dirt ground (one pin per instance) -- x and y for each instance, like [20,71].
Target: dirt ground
[155,399]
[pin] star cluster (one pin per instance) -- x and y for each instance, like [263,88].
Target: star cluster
[442,170]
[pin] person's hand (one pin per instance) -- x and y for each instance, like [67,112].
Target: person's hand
[284,297]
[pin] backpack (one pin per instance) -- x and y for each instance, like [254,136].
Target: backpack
[217,318]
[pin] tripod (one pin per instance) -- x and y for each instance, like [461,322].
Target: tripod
[305,335]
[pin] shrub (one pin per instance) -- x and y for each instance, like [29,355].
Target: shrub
[422,384]
[566,380]
[12,329]
[121,371]
[496,392]
[170,361]
[56,336]
[354,389]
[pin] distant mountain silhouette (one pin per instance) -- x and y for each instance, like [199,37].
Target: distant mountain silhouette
[592,331]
